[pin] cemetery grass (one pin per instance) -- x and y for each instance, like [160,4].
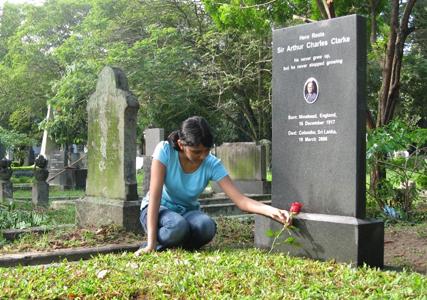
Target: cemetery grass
[405,241]
[229,267]
[66,238]
[53,192]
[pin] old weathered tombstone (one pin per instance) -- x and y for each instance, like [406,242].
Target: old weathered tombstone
[319,108]
[246,165]
[6,186]
[152,137]
[111,188]
[48,145]
[267,145]
[40,189]
[73,178]
[56,164]
[147,174]
[69,168]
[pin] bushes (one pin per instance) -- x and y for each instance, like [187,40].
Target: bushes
[21,179]
[399,150]
[12,218]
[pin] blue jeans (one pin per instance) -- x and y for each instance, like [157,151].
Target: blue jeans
[190,231]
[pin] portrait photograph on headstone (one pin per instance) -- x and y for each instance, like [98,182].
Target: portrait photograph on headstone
[213,149]
[311,90]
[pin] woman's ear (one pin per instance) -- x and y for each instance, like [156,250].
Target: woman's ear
[180,144]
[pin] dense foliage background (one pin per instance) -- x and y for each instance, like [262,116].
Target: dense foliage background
[182,57]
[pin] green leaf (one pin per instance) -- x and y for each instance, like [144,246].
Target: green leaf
[270,233]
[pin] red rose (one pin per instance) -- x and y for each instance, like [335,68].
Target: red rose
[295,207]
[294,210]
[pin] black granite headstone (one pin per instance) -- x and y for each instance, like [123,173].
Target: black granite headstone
[319,110]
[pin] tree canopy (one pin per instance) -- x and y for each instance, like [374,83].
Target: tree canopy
[184,57]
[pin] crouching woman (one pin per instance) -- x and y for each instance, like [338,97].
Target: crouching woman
[181,169]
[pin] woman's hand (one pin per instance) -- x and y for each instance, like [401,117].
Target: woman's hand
[146,249]
[281,215]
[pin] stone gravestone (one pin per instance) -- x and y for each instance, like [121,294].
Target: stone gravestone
[267,144]
[40,189]
[152,137]
[111,188]
[6,186]
[56,165]
[319,108]
[148,160]
[246,165]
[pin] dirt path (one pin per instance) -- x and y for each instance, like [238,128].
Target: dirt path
[406,247]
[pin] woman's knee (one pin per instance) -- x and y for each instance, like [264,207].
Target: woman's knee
[174,233]
[202,226]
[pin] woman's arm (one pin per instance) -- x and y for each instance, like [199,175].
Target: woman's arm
[250,205]
[158,171]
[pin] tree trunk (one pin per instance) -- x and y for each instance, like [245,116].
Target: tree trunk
[322,9]
[378,174]
[389,92]
[373,4]
[326,8]
[329,6]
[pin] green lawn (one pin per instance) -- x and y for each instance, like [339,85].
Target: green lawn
[229,268]
[53,192]
[213,274]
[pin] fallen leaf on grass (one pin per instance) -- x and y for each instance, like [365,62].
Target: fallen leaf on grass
[100,231]
[132,265]
[101,274]
[182,262]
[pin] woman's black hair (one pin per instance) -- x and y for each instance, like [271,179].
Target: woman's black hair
[194,131]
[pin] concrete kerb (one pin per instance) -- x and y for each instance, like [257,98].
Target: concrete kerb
[75,254]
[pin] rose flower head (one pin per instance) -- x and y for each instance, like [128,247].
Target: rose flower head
[295,208]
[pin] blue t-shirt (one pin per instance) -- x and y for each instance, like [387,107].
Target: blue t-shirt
[181,190]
